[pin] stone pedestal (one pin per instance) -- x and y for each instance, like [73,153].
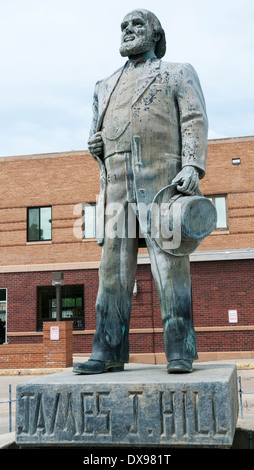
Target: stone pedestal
[141,406]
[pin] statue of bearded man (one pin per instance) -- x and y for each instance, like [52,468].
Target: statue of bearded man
[149,131]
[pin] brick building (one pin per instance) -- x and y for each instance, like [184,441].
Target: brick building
[46,226]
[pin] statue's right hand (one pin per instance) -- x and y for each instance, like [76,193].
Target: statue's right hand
[95,144]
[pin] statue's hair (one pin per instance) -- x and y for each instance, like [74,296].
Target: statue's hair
[160,48]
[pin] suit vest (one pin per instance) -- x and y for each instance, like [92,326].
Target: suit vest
[116,123]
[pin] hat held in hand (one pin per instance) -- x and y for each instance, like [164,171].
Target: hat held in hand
[179,223]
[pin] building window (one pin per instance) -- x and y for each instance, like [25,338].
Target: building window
[89,220]
[72,305]
[3,314]
[39,224]
[220,203]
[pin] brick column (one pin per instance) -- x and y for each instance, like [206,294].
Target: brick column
[57,352]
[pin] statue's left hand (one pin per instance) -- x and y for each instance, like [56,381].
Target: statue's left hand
[187,180]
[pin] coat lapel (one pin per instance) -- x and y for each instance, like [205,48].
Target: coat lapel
[106,92]
[146,78]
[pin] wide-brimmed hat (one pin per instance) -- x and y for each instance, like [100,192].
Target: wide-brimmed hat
[179,223]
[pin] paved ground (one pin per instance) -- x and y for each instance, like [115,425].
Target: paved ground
[245,371]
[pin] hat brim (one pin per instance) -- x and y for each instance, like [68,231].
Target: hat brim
[168,195]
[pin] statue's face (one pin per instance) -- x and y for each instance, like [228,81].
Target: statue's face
[137,35]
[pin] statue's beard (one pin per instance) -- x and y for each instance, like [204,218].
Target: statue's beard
[135,47]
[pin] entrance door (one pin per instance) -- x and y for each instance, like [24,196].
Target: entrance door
[3,313]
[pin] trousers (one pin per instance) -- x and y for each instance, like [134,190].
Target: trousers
[117,277]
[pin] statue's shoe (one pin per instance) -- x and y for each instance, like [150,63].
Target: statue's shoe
[97,367]
[179,366]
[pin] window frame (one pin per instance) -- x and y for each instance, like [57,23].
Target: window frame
[84,205]
[27,231]
[225,197]
[42,319]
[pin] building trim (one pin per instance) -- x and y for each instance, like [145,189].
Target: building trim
[223,255]
[70,153]
[41,156]
[231,140]
[198,256]
[50,267]
[213,255]
[243,359]
[198,329]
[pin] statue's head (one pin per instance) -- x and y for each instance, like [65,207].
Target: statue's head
[141,33]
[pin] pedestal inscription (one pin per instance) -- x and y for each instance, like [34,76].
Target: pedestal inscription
[146,407]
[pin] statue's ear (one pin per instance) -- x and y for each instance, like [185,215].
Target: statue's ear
[156,37]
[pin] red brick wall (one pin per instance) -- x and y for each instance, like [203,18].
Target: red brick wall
[222,177]
[35,182]
[22,297]
[58,180]
[51,353]
[217,287]
[58,353]
[221,286]
[211,341]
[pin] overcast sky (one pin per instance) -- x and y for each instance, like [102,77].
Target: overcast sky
[53,51]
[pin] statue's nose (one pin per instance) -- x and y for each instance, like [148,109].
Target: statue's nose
[129,28]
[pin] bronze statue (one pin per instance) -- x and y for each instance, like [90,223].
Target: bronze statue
[149,133]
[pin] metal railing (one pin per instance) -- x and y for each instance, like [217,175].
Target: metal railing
[241,393]
[10,401]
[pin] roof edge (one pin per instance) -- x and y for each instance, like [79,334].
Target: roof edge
[41,156]
[226,140]
[229,140]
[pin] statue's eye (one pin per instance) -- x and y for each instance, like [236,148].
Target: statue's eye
[123,26]
[138,23]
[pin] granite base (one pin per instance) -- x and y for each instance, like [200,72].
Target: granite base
[141,406]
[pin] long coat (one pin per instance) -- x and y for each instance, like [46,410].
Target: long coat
[168,127]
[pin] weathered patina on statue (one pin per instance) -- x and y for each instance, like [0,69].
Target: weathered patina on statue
[149,137]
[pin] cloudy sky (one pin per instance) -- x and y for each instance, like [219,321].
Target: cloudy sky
[53,51]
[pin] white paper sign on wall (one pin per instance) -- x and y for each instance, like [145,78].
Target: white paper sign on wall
[54,333]
[232,316]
